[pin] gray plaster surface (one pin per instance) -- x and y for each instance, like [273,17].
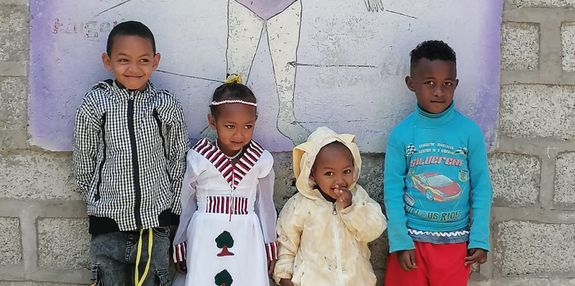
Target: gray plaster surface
[520,46]
[14,33]
[535,110]
[63,243]
[37,175]
[13,95]
[568,46]
[515,179]
[531,248]
[10,241]
[542,3]
[565,179]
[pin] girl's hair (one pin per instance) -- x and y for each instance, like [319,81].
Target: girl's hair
[232,89]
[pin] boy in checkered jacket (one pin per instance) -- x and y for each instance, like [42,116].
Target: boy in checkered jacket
[129,159]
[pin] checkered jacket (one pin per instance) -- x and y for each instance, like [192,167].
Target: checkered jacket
[130,154]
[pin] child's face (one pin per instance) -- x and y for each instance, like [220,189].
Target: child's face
[132,61]
[434,84]
[234,124]
[333,168]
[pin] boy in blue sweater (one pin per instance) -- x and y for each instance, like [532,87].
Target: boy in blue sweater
[437,189]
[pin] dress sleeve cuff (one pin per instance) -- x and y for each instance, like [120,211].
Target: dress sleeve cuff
[179,252]
[272,250]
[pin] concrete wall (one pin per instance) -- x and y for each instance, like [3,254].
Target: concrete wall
[43,230]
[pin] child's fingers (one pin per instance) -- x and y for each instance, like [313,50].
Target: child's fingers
[475,257]
[412,260]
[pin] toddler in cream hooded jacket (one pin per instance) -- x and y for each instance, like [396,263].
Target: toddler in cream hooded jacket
[321,243]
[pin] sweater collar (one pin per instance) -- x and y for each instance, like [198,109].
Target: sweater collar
[435,119]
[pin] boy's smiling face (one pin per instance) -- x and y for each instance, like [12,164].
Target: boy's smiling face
[433,83]
[132,60]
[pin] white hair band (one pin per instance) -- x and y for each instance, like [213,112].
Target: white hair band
[230,101]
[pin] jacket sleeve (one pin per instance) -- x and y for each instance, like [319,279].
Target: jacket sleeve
[86,140]
[395,171]
[481,192]
[266,212]
[189,206]
[290,228]
[179,144]
[364,218]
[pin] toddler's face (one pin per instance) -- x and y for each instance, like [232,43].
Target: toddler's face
[132,60]
[434,84]
[333,168]
[234,124]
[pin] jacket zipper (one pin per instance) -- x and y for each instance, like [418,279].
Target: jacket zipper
[135,165]
[101,167]
[159,122]
[337,246]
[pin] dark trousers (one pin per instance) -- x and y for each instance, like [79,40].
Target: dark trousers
[114,257]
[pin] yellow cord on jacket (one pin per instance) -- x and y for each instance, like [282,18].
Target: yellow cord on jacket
[137,280]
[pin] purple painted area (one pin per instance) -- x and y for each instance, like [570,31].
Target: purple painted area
[487,108]
[266,9]
[68,37]
[41,106]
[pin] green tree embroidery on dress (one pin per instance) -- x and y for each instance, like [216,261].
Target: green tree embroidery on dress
[225,241]
[224,278]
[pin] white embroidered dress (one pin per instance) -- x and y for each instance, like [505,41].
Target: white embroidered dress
[227,227]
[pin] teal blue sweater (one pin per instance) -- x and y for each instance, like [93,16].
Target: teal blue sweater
[436,179]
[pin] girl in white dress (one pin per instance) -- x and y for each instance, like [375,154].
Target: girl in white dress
[227,231]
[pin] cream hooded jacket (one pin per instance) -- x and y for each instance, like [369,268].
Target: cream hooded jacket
[319,243]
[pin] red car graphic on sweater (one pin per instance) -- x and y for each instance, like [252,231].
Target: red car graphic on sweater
[436,187]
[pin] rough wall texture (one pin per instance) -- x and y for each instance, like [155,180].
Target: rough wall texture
[43,237]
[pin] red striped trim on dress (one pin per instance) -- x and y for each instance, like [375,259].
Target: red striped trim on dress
[179,254]
[272,250]
[232,173]
[221,205]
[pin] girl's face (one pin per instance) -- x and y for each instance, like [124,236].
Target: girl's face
[333,169]
[234,124]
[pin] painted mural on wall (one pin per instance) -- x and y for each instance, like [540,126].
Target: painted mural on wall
[339,63]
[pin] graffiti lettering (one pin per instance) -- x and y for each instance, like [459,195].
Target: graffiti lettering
[90,29]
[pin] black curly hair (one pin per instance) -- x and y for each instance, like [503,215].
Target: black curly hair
[432,50]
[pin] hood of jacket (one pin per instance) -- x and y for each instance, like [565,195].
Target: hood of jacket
[304,157]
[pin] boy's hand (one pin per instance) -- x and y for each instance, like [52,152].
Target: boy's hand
[181,267]
[286,282]
[271,266]
[344,197]
[406,259]
[476,255]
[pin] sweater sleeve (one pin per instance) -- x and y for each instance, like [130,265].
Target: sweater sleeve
[481,192]
[395,171]
[363,218]
[86,139]
[290,228]
[179,144]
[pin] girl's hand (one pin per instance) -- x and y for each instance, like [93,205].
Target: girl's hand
[271,266]
[406,259]
[344,197]
[286,282]
[476,255]
[181,267]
